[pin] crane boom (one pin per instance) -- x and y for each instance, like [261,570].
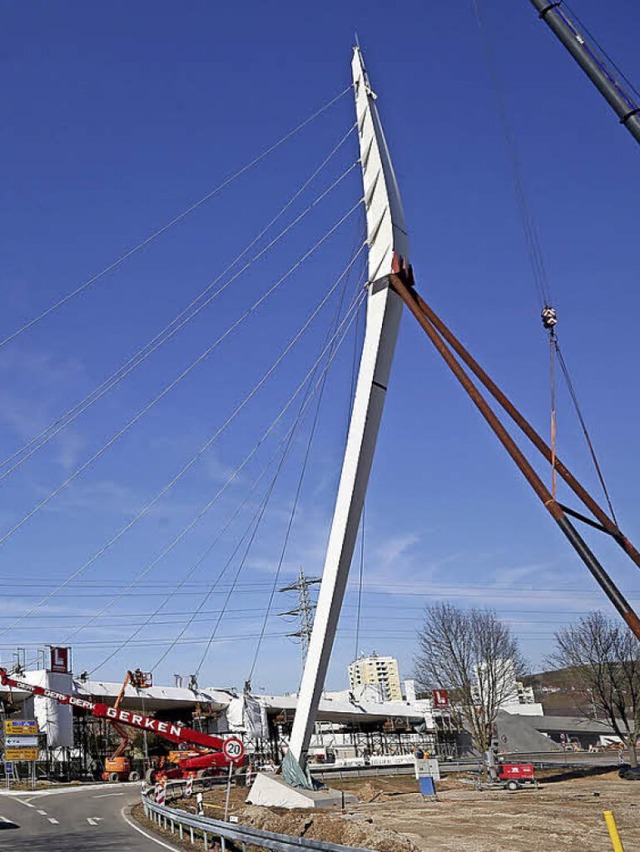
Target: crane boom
[168,730]
[615,92]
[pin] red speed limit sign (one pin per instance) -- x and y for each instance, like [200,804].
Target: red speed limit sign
[233,749]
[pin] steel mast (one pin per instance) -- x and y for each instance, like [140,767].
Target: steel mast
[388,253]
[594,66]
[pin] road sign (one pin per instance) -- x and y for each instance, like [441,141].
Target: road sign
[21,754]
[20,742]
[233,749]
[8,767]
[20,727]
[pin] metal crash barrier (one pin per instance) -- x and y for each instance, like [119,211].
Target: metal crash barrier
[195,827]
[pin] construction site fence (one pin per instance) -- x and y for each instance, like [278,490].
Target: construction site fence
[227,836]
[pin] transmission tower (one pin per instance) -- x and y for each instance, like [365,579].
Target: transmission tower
[305,609]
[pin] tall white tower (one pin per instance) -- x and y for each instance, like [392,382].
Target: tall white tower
[388,252]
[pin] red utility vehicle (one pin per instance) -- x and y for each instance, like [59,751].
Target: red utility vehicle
[515,775]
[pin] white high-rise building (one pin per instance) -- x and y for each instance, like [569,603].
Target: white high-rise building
[376,671]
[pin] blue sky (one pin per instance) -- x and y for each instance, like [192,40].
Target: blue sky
[117,120]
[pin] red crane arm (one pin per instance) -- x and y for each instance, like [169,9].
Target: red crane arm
[168,730]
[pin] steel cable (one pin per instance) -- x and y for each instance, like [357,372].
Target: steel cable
[153,236]
[203,511]
[347,320]
[173,384]
[172,328]
[174,480]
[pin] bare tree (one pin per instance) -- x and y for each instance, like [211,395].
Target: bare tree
[603,658]
[473,655]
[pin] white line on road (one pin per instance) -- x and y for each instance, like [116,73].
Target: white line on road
[92,821]
[26,804]
[4,819]
[44,813]
[104,795]
[146,834]
[53,821]
[57,791]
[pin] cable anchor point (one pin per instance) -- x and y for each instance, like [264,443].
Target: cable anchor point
[549,318]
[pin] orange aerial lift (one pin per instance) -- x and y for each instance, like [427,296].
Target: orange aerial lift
[206,754]
[117,767]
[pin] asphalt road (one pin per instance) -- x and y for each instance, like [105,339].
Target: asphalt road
[73,820]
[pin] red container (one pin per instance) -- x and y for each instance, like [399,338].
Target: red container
[516,772]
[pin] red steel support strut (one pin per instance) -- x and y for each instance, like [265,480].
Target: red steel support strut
[579,490]
[401,284]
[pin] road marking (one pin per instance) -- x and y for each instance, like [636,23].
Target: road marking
[26,804]
[92,820]
[104,795]
[79,788]
[145,833]
[44,813]
[53,821]
[4,819]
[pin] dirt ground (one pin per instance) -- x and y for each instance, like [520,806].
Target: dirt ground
[565,813]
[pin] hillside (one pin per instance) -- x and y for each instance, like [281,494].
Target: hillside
[559,697]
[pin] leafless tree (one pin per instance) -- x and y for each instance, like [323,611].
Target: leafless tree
[603,657]
[473,655]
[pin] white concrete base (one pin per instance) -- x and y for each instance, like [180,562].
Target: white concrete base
[272,791]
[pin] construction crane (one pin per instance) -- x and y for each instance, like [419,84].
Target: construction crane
[609,81]
[207,753]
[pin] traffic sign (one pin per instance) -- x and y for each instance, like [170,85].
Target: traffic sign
[233,749]
[21,754]
[20,727]
[20,742]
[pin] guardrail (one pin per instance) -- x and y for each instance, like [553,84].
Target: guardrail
[242,836]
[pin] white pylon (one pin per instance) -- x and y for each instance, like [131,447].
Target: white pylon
[388,249]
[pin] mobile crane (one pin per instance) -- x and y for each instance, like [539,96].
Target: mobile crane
[206,752]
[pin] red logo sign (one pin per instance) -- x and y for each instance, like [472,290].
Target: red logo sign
[440,699]
[60,660]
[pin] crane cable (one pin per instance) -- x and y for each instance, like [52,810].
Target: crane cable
[527,219]
[583,426]
[536,258]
